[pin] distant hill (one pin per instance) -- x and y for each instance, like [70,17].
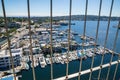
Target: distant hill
[74,17]
[78,17]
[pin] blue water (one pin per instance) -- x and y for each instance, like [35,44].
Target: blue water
[7,78]
[91,27]
[60,69]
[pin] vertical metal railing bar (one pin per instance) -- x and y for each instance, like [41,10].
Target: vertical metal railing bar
[85,17]
[31,54]
[116,68]
[96,38]
[51,49]
[11,57]
[106,38]
[113,50]
[80,69]
[69,30]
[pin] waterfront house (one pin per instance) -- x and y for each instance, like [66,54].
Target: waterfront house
[5,58]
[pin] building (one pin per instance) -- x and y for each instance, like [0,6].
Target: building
[13,25]
[4,43]
[5,58]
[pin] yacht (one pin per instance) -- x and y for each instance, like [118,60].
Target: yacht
[89,53]
[57,60]
[42,61]
[48,61]
[61,60]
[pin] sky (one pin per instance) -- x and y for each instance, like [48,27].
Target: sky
[60,7]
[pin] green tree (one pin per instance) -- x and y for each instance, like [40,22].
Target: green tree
[12,30]
[6,34]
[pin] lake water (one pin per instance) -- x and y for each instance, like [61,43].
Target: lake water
[60,69]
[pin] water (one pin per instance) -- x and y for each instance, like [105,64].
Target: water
[60,69]
[7,78]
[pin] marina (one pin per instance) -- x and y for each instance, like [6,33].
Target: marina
[78,50]
[73,65]
[59,40]
[60,59]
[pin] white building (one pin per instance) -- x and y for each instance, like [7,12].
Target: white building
[5,58]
